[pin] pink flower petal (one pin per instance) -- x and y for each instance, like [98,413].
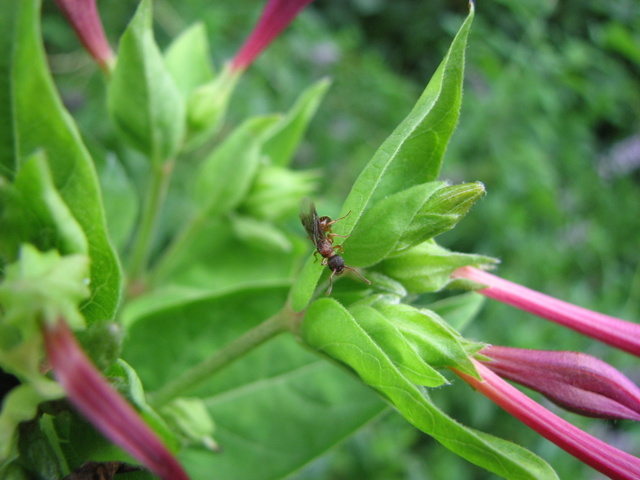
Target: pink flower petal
[103,406]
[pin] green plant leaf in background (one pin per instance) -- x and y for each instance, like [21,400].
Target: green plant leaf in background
[332,330]
[42,123]
[275,409]
[35,213]
[8,141]
[226,175]
[286,136]
[188,59]
[143,100]
[428,267]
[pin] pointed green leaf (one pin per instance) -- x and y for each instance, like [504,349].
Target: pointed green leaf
[43,123]
[284,140]
[188,60]
[329,328]
[143,100]
[413,153]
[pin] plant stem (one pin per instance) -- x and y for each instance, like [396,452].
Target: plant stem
[143,242]
[220,359]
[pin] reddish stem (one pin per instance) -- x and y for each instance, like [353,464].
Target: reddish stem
[601,456]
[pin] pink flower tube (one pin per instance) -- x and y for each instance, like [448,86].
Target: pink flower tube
[84,18]
[613,331]
[276,16]
[601,456]
[103,406]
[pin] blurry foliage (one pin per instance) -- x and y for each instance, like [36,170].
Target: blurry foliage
[551,89]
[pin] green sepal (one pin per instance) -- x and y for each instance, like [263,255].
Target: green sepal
[227,174]
[207,107]
[428,267]
[190,418]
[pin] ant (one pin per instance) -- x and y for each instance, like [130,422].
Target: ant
[319,232]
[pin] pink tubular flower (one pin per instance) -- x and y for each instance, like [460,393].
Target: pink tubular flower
[575,381]
[105,408]
[277,15]
[84,18]
[601,456]
[613,331]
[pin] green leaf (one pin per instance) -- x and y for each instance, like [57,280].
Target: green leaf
[286,136]
[143,100]
[260,235]
[413,153]
[36,213]
[405,357]
[428,267]
[459,310]
[329,328]
[188,60]
[430,337]
[381,229]
[43,123]
[226,175]
[264,404]
[8,134]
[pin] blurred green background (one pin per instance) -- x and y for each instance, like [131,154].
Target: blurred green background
[549,122]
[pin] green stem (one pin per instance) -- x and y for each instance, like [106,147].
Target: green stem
[143,242]
[220,359]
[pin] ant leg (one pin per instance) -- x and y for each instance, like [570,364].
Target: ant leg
[324,262]
[315,257]
[331,235]
[338,248]
[330,283]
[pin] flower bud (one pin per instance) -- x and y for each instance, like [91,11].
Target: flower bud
[575,381]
